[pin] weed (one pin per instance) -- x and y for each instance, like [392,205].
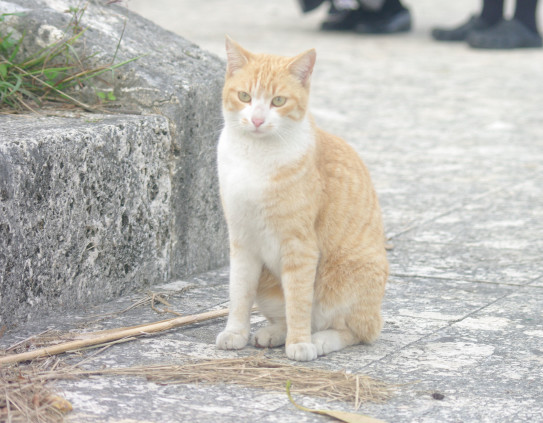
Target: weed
[47,75]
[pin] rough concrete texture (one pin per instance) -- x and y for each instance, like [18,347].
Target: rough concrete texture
[453,139]
[85,210]
[173,78]
[476,343]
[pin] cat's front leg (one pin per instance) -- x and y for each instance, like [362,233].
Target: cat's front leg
[298,277]
[245,269]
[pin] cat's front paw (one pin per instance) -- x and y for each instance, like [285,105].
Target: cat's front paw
[227,340]
[304,351]
[270,336]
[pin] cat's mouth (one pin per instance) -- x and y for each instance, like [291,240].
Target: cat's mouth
[260,132]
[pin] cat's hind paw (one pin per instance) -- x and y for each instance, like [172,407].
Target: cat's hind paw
[327,341]
[303,351]
[227,340]
[270,336]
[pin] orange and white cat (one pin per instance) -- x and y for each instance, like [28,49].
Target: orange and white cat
[305,228]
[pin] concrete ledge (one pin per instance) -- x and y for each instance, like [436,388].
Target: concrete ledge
[84,218]
[85,210]
[173,78]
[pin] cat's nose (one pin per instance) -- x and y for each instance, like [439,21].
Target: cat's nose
[257,122]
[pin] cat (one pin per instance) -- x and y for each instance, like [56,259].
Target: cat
[305,227]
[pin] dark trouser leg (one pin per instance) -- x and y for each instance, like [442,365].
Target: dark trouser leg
[526,12]
[492,11]
[519,32]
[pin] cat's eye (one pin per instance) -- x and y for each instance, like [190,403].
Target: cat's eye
[279,101]
[244,97]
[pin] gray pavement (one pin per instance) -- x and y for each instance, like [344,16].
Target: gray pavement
[453,138]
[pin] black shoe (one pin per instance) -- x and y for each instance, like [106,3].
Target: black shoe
[342,20]
[309,5]
[507,34]
[460,33]
[397,22]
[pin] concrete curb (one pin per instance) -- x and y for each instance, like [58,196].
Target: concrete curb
[174,79]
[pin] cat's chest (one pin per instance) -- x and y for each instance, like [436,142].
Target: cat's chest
[243,185]
[247,169]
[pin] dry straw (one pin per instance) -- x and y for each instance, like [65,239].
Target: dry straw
[25,397]
[260,372]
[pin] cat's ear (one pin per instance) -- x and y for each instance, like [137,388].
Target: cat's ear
[236,56]
[302,66]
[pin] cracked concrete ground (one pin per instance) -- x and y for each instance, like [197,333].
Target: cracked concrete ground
[453,138]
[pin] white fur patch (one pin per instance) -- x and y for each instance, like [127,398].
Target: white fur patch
[327,341]
[246,163]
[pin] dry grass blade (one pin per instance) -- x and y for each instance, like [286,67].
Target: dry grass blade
[148,299]
[343,416]
[59,92]
[157,297]
[260,372]
[24,397]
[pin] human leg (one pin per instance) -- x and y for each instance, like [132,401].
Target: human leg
[491,13]
[393,17]
[518,32]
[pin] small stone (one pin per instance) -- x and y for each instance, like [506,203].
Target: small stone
[438,396]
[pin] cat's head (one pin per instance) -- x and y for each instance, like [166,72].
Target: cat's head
[264,94]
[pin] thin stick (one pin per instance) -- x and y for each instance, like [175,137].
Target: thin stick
[114,335]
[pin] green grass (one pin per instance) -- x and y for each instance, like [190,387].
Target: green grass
[47,76]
